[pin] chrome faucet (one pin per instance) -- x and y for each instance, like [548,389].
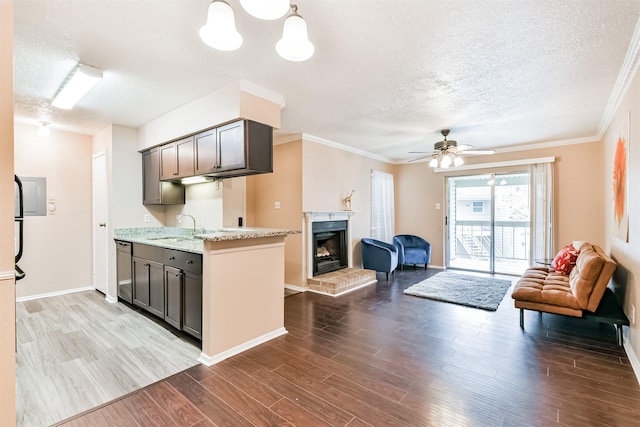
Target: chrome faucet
[190,216]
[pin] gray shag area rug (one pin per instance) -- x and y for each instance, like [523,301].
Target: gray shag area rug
[472,291]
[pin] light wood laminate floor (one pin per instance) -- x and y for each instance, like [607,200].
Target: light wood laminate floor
[78,351]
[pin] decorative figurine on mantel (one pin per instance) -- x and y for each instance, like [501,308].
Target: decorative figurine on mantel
[347,201]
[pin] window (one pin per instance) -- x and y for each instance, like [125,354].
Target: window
[478,207]
[382,206]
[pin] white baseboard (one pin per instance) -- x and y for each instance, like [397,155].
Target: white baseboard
[55,294]
[345,292]
[633,359]
[217,358]
[110,299]
[295,288]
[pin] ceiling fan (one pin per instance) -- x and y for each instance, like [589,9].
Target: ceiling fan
[447,151]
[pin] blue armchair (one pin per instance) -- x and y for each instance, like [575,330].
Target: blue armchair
[412,250]
[379,256]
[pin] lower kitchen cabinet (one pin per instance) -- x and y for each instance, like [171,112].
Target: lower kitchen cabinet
[148,285]
[192,304]
[173,296]
[168,283]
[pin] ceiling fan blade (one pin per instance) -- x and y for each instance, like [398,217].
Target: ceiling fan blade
[418,158]
[419,152]
[479,152]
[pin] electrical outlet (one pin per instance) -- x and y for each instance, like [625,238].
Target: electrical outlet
[437,205]
[633,314]
[147,218]
[276,205]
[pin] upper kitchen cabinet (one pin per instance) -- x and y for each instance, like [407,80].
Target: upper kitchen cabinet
[240,148]
[156,192]
[176,159]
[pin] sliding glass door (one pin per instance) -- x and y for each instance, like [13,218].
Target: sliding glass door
[488,223]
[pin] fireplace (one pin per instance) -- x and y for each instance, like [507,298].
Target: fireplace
[329,246]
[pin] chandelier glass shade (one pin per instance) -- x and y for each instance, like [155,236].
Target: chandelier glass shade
[295,45]
[220,30]
[267,10]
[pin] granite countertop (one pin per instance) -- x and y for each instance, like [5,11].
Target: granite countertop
[188,240]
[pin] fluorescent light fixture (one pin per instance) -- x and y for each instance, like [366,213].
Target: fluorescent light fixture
[220,30]
[196,180]
[79,81]
[266,9]
[43,130]
[294,44]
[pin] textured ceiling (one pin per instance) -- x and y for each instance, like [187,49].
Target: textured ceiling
[385,78]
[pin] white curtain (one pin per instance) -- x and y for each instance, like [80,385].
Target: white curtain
[542,210]
[382,206]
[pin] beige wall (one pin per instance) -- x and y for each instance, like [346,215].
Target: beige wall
[284,185]
[7,281]
[626,254]
[57,247]
[577,167]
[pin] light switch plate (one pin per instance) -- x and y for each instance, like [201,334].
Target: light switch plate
[437,205]
[276,205]
[147,218]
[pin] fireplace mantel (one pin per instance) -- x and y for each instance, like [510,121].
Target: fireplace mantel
[319,216]
[313,216]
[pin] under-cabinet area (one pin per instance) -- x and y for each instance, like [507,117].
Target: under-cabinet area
[165,282]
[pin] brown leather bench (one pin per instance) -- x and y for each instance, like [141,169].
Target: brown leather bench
[579,294]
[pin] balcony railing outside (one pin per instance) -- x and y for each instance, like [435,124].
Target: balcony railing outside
[471,246]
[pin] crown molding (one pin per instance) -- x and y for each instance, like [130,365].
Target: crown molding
[329,143]
[286,138]
[547,144]
[625,77]
[262,92]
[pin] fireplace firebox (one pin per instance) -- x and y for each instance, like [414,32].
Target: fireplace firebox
[330,245]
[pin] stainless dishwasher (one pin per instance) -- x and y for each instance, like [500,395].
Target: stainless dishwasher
[123,260]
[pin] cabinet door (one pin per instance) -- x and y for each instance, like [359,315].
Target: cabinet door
[156,288]
[185,160]
[168,161]
[206,148]
[151,177]
[173,296]
[192,304]
[140,282]
[231,146]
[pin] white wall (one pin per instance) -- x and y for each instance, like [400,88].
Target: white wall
[57,247]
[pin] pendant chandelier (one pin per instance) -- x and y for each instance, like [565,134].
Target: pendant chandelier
[220,31]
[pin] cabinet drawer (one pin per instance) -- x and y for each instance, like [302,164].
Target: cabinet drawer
[183,260]
[153,253]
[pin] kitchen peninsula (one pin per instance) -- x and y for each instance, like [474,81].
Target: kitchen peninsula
[242,283]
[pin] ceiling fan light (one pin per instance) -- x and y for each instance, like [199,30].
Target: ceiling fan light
[446,162]
[294,44]
[433,163]
[220,30]
[457,161]
[266,9]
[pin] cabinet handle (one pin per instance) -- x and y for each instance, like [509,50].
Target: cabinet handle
[178,275]
[175,173]
[190,262]
[172,258]
[146,265]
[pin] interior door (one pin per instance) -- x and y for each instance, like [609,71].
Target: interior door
[488,223]
[100,233]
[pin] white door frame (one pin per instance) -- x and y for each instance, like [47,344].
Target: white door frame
[100,232]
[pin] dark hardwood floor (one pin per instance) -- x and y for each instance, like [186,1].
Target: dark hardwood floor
[377,357]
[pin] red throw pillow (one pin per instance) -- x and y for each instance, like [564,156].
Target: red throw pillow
[565,260]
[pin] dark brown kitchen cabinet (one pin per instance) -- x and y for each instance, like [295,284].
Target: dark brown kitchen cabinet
[154,191]
[148,285]
[173,296]
[190,267]
[192,304]
[240,148]
[176,159]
